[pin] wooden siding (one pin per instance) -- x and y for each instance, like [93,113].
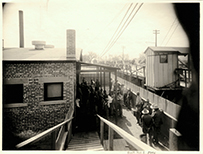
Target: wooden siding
[150,68]
[160,74]
[164,72]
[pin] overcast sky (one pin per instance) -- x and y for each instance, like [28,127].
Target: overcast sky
[95,22]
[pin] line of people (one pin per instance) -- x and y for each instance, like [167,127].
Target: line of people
[91,99]
[148,116]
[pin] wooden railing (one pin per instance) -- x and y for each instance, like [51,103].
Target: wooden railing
[167,106]
[58,141]
[137,144]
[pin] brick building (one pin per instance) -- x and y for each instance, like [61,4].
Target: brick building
[38,87]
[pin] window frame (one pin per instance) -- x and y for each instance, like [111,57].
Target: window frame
[20,99]
[160,58]
[46,98]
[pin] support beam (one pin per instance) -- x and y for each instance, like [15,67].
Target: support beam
[100,76]
[116,118]
[104,75]
[95,71]
[174,138]
[53,140]
[110,84]
[102,131]
[110,146]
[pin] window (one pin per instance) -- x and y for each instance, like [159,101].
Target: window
[13,93]
[53,91]
[163,58]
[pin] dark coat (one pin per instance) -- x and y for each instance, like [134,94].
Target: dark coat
[157,118]
[147,123]
[147,106]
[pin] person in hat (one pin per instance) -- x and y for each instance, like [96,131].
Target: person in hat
[147,105]
[129,99]
[138,108]
[147,123]
[157,122]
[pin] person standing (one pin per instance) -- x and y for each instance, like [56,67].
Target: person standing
[129,99]
[147,124]
[147,105]
[119,104]
[138,108]
[157,122]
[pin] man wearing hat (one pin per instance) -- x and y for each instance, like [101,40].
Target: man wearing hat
[138,105]
[147,123]
[157,119]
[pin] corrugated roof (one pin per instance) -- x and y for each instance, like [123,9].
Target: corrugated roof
[32,54]
[180,50]
[99,65]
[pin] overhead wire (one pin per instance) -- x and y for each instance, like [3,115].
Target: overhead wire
[117,28]
[105,27]
[122,30]
[169,30]
[172,33]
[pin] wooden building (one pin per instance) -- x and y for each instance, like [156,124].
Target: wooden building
[162,67]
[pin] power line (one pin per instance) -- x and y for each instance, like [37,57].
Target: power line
[106,26]
[172,34]
[120,29]
[169,30]
[117,28]
[123,30]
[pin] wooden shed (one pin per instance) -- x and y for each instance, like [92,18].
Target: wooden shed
[161,63]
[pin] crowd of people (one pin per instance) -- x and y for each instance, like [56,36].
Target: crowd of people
[148,116]
[92,99]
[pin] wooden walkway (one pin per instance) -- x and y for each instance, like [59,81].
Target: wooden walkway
[90,141]
[85,141]
[118,145]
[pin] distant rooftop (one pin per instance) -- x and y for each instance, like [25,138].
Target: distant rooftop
[32,54]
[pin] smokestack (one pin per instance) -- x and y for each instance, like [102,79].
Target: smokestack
[21,29]
[70,49]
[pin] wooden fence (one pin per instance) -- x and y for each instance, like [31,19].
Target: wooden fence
[167,106]
[136,143]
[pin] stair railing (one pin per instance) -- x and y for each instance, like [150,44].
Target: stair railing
[137,144]
[57,141]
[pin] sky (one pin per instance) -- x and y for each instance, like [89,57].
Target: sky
[95,23]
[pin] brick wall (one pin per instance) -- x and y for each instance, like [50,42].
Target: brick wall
[38,115]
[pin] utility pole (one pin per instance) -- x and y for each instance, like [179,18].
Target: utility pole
[156,32]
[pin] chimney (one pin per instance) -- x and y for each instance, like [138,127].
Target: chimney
[21,29]
[70,49]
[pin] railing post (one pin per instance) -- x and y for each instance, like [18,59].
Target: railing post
[110,146]
[102,131]
[69,132]
[174,138]
[53,140]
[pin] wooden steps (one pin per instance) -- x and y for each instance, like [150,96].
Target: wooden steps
[85,141]
[118,145]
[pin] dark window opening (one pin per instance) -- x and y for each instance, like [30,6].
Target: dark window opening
[13,93]
[53,91]
[163,58]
